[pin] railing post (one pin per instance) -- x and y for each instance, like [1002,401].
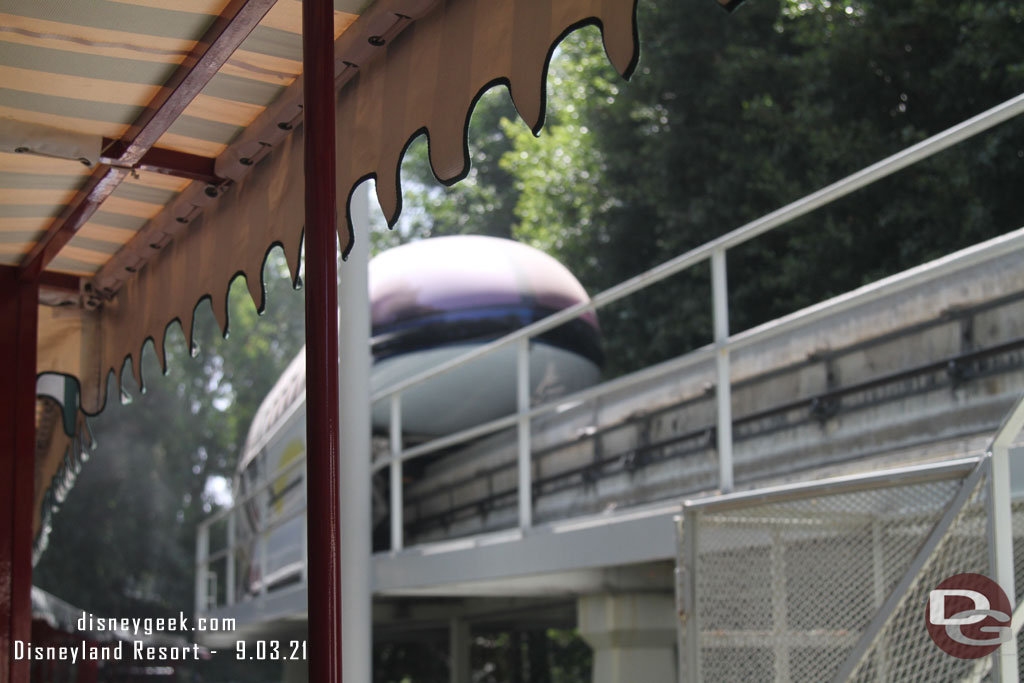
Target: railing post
[396,472]
[263,558]
[523,433]
[211,591]
[202,552]
[458,651]
[723,388]
[1001,514]
[690,670]
[229,580]
[679,576]
[356,475]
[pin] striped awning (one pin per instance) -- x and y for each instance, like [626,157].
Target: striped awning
[149,155]
[75,76]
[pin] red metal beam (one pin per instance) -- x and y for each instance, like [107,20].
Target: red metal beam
[322,429]
[165,161]
[19,310]
[216,46]
[221,40]
[61,281]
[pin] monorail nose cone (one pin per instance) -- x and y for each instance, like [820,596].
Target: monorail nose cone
[467,272]
[435,299]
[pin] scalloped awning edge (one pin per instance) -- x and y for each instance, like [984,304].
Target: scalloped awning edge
[427,82]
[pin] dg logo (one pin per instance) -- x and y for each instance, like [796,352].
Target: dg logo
[968,616]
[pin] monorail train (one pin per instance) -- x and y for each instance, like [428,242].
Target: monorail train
[430,301]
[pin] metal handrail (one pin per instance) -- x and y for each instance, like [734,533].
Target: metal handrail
[724,342]
[719,351]
[260,488]
[871,292]
[880,479]
[891,164]
[204,558]
[275,523]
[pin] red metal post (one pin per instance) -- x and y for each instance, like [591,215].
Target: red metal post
[322,438]
[19,299]
[88,669]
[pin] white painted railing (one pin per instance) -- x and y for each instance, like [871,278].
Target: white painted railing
[723,345]
[724,342]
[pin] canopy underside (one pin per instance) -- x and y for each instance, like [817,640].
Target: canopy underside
[90,68]
[160,244]
[129,236]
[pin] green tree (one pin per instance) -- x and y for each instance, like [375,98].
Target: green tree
[732,116]
[124,541]
[480,204]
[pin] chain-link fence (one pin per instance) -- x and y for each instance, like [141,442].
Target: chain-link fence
[830,581]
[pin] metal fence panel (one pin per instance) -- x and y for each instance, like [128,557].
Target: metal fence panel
[786,590]
[903,650]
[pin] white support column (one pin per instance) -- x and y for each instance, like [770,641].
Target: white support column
[523,433]
[458,651]
[1001,515]
[723,388]
[354,395]
[689,638]
[397,501]
[229,580]
[261,545]
[202,567]
[633,636]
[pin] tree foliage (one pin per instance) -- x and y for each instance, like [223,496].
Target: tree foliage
[123,543]
[731,116]
[480,204]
